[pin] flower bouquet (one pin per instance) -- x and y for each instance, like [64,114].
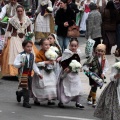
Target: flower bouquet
[96,78]
[75,66]
[55,49]
[29,35]
[52,56]
[117,66]
[23,58]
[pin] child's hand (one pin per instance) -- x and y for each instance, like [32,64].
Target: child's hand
[58,59]
[67,70]
[22,64]
[40,76]
[49,62]
[117,76]
[102,76]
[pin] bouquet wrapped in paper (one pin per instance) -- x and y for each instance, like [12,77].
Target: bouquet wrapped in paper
[23,58]
[75,66]
[89,47]
[96,78]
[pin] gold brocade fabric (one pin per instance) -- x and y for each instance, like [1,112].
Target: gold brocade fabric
[39,35]
[7,70]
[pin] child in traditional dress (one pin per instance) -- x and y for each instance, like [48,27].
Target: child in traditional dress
[25,63]
[108,106]
[44,89]
[69,85]
[97,64]
[54,42]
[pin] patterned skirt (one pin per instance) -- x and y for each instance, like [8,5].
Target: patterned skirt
[108,107]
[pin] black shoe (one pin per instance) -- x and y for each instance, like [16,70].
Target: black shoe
[37,103]
[60,105]
[51,103]
[26,105]
[18,96]
[79,106]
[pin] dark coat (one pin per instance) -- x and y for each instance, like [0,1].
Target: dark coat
[63,16]
[73,6]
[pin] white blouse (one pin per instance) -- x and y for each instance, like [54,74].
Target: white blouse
[17,63]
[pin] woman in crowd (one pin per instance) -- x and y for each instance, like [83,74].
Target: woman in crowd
[110,19]
[85,16]
[65,17]
[93,24]
[44,24]
[18,26]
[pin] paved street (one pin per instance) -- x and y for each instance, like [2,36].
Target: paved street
[11,110]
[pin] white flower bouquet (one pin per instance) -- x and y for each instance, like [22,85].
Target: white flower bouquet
[50,55]
[23,58]
[117,65]
[75,66]
[55,49]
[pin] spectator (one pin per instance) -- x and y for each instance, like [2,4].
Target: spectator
[93,24]
[110,19]
[9,9]
[65,17]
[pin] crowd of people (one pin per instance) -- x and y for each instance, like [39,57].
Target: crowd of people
[53,72]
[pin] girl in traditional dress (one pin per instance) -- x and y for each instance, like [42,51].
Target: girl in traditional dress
[108,106]
[24,61]
[18,26]
[85,16]
[97,64]
[44,89]
[69,84]
[44,24]
[54,42]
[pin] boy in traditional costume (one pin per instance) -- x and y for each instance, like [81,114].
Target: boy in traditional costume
[25,64]
[97,64]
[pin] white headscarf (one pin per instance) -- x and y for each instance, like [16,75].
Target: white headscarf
[14,21]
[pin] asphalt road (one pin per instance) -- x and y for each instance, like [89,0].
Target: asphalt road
[11,110]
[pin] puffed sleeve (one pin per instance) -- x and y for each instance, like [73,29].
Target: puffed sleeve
[17,61]
[113,73]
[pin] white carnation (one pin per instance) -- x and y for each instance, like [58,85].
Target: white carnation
[117,65]
[55,49]
[51,55]
[75,65]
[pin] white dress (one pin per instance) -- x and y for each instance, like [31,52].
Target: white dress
[70,86]
[84,17]
[44,89]
[42,24]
